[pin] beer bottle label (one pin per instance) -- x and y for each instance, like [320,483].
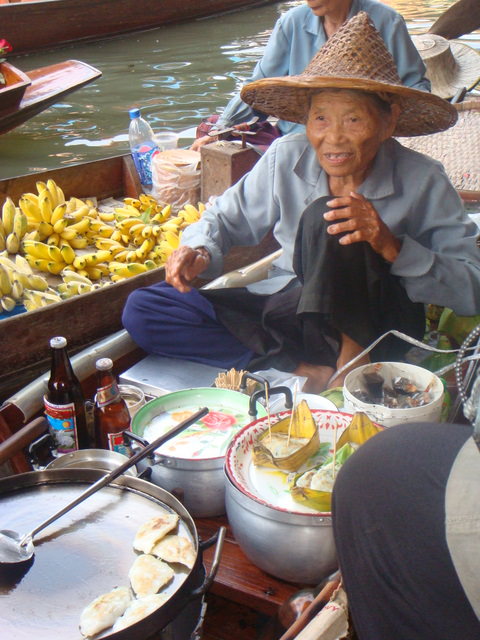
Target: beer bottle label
[63,425]
[116,443]
[107,395]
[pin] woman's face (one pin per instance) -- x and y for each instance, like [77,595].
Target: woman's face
[346,129]
[322,8]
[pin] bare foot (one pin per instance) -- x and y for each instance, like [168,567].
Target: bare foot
[317,376]
[349,350]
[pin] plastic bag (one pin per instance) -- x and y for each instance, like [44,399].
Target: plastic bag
[176,177]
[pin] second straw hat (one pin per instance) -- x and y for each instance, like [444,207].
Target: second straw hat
[450,65]
[355,57]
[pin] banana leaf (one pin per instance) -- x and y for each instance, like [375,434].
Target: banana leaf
[358,431]
[302,426]
[324,474]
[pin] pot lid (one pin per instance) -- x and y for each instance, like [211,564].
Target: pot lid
[270,486]
[206,439]
[86,553]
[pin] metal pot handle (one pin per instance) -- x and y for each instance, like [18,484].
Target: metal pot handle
[128,437]
[219,538]
[252,376]
[252,409]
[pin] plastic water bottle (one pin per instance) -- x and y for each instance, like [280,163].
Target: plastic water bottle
[142,145]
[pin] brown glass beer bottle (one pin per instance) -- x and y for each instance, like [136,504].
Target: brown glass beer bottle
[112,417]
[64,402]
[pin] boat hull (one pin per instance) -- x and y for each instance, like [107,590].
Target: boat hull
[64,21]
[36,90]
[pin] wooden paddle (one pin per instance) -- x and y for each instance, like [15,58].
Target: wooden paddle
[462,17]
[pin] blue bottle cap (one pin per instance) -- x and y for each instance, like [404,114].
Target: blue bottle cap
[134,113]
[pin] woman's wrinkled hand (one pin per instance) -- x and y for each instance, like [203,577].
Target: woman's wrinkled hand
[184,265]
[359,221]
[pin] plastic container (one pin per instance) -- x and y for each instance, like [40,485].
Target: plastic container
[142,145]
[166,140]
[385,416]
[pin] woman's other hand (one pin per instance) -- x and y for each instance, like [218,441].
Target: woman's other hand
[199,142]
[360,222]
[184,265]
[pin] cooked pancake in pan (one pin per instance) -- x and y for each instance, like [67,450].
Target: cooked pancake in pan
[154,530]
[175,549]
[139,609]
[104,611]
[149,574]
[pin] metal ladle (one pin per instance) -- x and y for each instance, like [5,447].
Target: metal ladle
[16,548]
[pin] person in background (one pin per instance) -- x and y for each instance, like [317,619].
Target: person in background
[370,230]
[298,35]
[406,522]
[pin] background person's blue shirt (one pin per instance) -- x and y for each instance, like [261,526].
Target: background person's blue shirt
[298,35]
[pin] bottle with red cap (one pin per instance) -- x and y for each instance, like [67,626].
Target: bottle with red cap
[112,417]
[64,402]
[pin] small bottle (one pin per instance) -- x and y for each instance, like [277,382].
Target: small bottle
[142,146]
[112,417]
[64,402]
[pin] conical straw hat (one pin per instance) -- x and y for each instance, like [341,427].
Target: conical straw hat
[355,57]
[450,65]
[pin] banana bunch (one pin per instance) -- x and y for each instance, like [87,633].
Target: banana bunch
[10,292]
[35,299]
[74,284]
[120,271]
[20,270]
[135,207]
[48,257]
[13,227]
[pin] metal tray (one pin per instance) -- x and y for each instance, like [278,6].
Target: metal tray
[85,553]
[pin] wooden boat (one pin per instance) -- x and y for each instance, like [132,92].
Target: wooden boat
[28,93]
[24,338]
[30,25]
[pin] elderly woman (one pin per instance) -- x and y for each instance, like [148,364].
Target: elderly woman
[301,31]
[370,230]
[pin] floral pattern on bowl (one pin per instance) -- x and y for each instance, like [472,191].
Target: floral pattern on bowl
[269,486]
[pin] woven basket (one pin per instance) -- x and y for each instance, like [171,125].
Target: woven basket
[458,149]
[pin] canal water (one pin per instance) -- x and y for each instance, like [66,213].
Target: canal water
[176,75]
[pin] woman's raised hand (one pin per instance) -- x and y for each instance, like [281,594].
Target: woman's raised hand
[360,222]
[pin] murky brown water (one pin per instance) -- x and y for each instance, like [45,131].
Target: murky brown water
[176,74]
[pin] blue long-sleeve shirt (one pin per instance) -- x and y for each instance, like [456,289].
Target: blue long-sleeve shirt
[439,261]
[299,34]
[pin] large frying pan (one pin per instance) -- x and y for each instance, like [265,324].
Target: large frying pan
[86,553]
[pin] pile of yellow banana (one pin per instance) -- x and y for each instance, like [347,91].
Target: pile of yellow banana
[19,284]
[82,243]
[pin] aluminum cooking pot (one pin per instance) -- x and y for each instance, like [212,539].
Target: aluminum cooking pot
[284,538]
[88,552]
[191,465]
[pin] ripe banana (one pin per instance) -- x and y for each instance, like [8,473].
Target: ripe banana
[7,303]
[8,215]
[5,283]
[126,270]
[12,242]
[46,207]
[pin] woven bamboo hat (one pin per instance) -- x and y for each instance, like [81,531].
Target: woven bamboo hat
[355,57]
[450,65]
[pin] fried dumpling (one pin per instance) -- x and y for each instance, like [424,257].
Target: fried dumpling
[104,611]
[139,609]
[154,530]
[149,574]
[175,549]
